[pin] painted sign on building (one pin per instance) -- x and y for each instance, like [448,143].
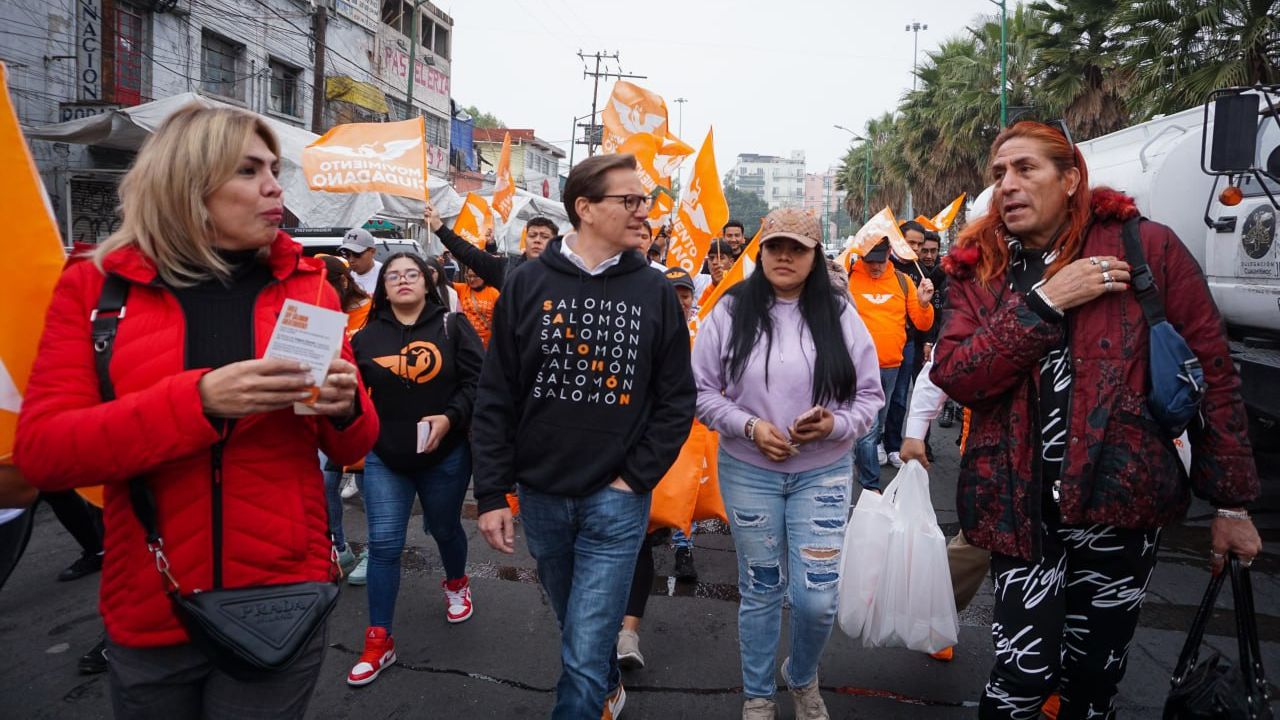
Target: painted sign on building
[89,49]
[430,85]
[364,13]
[78,111]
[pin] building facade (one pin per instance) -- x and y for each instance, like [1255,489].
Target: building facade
[535,163]
[69,59]
[779,181]
[822,198]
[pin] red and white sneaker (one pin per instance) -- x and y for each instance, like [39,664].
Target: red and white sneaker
[379,653]
[457,598]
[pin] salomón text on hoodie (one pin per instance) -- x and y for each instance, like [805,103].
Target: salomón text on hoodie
[587,379]
[429,367]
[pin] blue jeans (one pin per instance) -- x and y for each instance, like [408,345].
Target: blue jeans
[896,417]
[865,450]
[798,518]
[586,553]
[388,501]
[333,498]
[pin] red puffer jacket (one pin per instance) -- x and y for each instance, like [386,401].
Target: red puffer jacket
[1118,469]
[271,494]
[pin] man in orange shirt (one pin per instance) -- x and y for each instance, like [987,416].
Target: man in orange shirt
[475,300]
[885,299]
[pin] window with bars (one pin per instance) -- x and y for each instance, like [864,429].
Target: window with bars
[437,131]
[284,89]
[220,61]
[441,46]
[128,56]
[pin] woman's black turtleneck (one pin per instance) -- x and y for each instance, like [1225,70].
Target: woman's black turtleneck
[220,315]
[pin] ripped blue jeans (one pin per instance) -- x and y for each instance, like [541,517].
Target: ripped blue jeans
[788,530]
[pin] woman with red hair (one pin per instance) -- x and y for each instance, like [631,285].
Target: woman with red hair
[1066,477]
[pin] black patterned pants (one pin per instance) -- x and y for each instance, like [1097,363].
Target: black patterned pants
[1064,624]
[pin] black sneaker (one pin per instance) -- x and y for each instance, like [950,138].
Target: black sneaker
[948,416]
[684,565]
[87,565]
[94,661]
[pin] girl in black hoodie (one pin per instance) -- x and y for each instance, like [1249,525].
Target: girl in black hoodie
[420,363]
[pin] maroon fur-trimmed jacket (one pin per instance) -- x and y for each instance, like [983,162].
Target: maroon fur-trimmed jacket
[1119,469]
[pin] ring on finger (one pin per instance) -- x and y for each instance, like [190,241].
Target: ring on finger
[1106,278]
[1093,261]
[1105,265]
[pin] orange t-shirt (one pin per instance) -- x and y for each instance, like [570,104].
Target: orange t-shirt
[884,310]
[356,318]
[478,307]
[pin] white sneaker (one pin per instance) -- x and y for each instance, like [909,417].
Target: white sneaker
[613,704]
[349,488]
[881,455]
[895,459]
[629,657]
[360,575]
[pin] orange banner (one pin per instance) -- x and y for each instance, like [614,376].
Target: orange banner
[27,283]
[634,110]
[880,226]
[370,157]
[943,220]
[740,271]
[504,188]
[702,211]
[473,220]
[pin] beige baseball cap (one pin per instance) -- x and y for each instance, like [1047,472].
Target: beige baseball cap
[794,223]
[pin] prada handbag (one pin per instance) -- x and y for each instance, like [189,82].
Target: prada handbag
[1218,688]
[246,632]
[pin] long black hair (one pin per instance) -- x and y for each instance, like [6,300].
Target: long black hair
[821,305]
[442,279]
[380,292]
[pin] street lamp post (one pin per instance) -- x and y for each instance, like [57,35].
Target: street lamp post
[1004,61]
[866,173]
[915,28]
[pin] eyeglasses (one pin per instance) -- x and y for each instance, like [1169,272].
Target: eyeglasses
[630,202]
[411,276]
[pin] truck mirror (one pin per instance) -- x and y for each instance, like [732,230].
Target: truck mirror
[1235,133]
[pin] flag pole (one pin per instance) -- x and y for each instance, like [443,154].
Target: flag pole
[422,132]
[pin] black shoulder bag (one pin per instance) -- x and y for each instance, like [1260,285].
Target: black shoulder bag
[1217,689]
[246,632]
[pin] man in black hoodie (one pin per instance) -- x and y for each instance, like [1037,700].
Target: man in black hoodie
[584,401]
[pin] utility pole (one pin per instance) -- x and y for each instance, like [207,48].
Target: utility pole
[413,56]
[595,87]
[319,23]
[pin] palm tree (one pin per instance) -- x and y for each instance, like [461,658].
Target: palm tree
[1179,51]
[1076,65]
[888,179]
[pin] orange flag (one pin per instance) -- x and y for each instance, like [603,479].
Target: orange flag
[740,271]
[703,210]
[943,220]
[370,157]
[880,226]
[25,286]
[505,188]
[632,109]
[473,220]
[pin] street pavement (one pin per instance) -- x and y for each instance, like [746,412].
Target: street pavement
[504,662]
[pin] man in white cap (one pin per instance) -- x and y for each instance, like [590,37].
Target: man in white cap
[357,248]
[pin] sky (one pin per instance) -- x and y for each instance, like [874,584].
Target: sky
[770,77]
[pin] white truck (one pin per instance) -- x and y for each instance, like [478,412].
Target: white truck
[1178,167]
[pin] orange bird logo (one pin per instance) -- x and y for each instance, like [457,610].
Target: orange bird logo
[417,362]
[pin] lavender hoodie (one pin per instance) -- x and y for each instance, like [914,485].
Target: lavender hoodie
[726,406]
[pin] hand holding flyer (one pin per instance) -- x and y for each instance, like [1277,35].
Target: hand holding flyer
[311,335]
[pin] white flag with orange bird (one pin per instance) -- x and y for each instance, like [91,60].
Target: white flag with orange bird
[881,225]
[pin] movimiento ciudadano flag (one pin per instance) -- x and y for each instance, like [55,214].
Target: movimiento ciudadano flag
[881,225]
[701,213]
[504,188]
[370,157]
[740,271]
[474,218]
[943,220]
[26,284]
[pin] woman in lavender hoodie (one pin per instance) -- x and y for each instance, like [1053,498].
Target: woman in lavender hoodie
[787,374]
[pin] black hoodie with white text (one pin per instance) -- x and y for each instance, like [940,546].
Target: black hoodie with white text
[587,379]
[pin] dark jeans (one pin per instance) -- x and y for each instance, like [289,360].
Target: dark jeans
[586,553]
[1065,623]
[177,681]
[388,501]
[79,517]
[896,416]
[333,498]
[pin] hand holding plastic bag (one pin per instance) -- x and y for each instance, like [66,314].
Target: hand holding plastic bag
[898,587]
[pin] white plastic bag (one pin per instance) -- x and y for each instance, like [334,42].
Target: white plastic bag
[904,592]
[866,540]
